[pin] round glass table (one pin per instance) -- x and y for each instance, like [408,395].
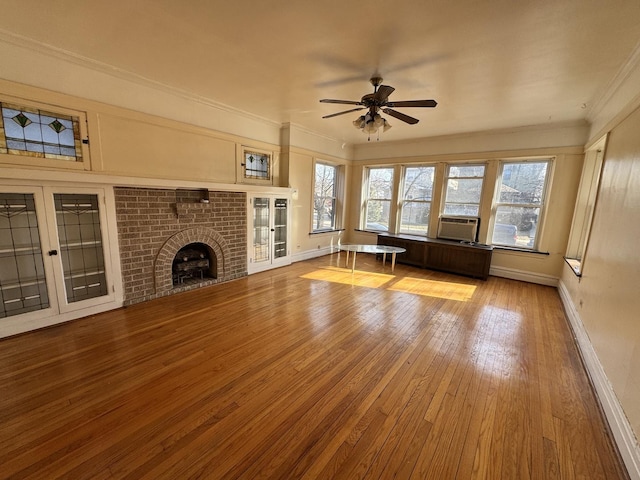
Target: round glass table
[383,249]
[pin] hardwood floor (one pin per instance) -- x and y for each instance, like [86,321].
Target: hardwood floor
[309,371]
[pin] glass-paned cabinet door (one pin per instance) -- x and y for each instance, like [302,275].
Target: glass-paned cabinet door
[53,255]
[280,228]
[269,233]
[261,230]
[23,284]
[81,245]
[79,253]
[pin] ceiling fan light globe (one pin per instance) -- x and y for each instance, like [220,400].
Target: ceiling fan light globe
[370,128]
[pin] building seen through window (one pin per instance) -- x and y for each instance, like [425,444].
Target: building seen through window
[324,198]
[378,201]
[416,199]
[463,190]
[519,203]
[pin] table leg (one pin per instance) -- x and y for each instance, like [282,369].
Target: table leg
[353,265]
[346,262]
[393,261]
[384,258]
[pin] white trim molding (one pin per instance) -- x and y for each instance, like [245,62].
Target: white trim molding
[309,254]
[524,276]
[618,423]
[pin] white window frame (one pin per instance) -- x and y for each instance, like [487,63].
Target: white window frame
[445,187]
[585,206]
[366,199]
[337,197]
[404,201]
[541,205]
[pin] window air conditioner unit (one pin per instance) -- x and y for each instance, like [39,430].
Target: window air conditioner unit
[458,228]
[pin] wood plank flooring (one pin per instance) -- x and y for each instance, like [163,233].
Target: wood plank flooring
[313,372]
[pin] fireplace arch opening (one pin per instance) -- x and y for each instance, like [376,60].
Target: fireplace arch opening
[193,263]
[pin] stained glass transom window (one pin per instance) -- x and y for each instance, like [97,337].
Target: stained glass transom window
[256,165]
[32,132]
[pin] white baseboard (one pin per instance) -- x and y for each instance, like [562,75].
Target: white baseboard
[524,276]
[618,423]
[309,254]
[27,322]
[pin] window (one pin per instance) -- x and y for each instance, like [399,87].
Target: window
[464,190]
[28,131]
[378,201]
[416,199]
[520,199]
[257,165]
[585,206]
[324,197]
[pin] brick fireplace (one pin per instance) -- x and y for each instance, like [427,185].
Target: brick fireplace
[155,224]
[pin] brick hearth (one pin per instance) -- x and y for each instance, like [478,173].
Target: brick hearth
[154,224]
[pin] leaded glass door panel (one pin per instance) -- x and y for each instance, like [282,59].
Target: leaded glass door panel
[23,281]
[261,230]
[80,240]
[280,230]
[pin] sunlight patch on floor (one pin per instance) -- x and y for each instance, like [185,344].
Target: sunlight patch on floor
[429,288]
[343,275]
[433,288]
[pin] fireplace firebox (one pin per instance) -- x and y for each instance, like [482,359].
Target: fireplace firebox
[193,263]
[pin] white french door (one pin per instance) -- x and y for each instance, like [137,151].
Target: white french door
[268,232]
[53,255]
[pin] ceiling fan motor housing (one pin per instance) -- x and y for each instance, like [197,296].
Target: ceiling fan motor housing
[376,81]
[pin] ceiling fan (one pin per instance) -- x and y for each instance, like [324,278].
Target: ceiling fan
[376,101]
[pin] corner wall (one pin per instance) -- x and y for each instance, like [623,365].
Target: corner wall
[606,299]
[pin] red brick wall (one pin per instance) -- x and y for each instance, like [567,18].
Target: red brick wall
[148,218]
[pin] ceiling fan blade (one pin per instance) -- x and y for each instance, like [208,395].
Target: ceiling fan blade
[342,102]
[401,116]
[383,93]
[342,113]
[413,103]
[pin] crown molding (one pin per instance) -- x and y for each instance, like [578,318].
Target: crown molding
[614,85]
[559,135]
[122,74]
[297,136]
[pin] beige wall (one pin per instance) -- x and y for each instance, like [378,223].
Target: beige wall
[128,143]
[166,151]
[607,297]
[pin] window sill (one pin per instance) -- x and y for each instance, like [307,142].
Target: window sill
[575,264]
[376,232]
[320,232]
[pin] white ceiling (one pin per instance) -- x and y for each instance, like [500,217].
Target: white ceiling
[489,64]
